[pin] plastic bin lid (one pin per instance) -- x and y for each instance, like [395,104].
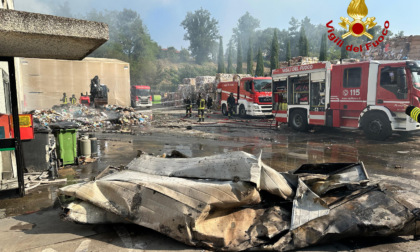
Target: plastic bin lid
[64,125]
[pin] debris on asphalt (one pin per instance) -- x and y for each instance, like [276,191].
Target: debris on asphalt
[233,201]
[35,179]
[91,119]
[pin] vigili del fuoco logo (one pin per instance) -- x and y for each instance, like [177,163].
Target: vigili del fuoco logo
[357,11]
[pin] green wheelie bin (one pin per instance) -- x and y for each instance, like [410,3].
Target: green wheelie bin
[66,140]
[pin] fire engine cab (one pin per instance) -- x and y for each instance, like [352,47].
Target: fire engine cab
[141,97]
[369,95]
[252,95]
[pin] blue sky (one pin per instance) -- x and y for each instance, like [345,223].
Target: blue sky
[163,17]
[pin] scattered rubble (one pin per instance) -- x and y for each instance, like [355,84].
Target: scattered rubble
[35,179]
[90,119]
[399,48]
[233,201]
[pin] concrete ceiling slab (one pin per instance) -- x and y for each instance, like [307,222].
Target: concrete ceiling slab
[33,35]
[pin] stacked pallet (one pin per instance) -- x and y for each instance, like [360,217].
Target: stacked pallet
[189,81]
[414,53]
[222,77]
[297,61]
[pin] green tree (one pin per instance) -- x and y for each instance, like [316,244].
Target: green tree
[293,30]
[202,32]
[129,41]
[274,55]
[220,58]
[288,53]
[245,29]
[170,53]
[249,60]
[303,43]
[344,52]
[259,71]
[184,55]
[230,65]
[239,58]
[323,51]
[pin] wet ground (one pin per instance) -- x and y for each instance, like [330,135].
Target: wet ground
[395,160]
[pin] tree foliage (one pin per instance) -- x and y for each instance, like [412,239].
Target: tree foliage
[274,54]
[239,58]
[202,32]
[129,41]
[288,52]
[245,30]
[293,36]
[259,71]
[249,60]
[303,43]
[220,58]
[344,54]
[230,64]
[323,51]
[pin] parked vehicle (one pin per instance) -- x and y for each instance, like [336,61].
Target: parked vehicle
[141,97]
[252,95]
[369,95]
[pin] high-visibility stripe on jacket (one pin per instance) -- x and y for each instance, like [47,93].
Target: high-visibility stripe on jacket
[202,104]
[413,112]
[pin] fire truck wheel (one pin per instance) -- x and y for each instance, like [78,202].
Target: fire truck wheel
[242,111]
[224,110]
[377,127]
[299,121]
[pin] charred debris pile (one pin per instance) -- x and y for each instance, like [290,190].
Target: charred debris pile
[233,201]
[88,118]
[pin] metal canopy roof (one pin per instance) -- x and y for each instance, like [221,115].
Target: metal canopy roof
[33,35]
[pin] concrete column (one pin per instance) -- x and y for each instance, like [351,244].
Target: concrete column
[7,4]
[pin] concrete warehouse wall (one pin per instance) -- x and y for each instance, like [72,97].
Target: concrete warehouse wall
[43,81]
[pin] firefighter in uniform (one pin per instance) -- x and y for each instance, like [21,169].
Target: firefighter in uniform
[209,103]
[188,107]
[231,104]
[201,103]
[73,100]
[64,99]
[413,112]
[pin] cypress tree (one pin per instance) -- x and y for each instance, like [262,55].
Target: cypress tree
[249,60]
[239,58]
[230,65]
[260,64]
[274,59]
[344,52]
[220,60]
[288,53]
[323,51]
[303,43]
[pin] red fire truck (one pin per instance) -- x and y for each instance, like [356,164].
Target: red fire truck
[141,97]
[252,96]
[369,95]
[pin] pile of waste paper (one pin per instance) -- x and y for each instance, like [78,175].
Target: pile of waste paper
[233,201]
[88,118]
